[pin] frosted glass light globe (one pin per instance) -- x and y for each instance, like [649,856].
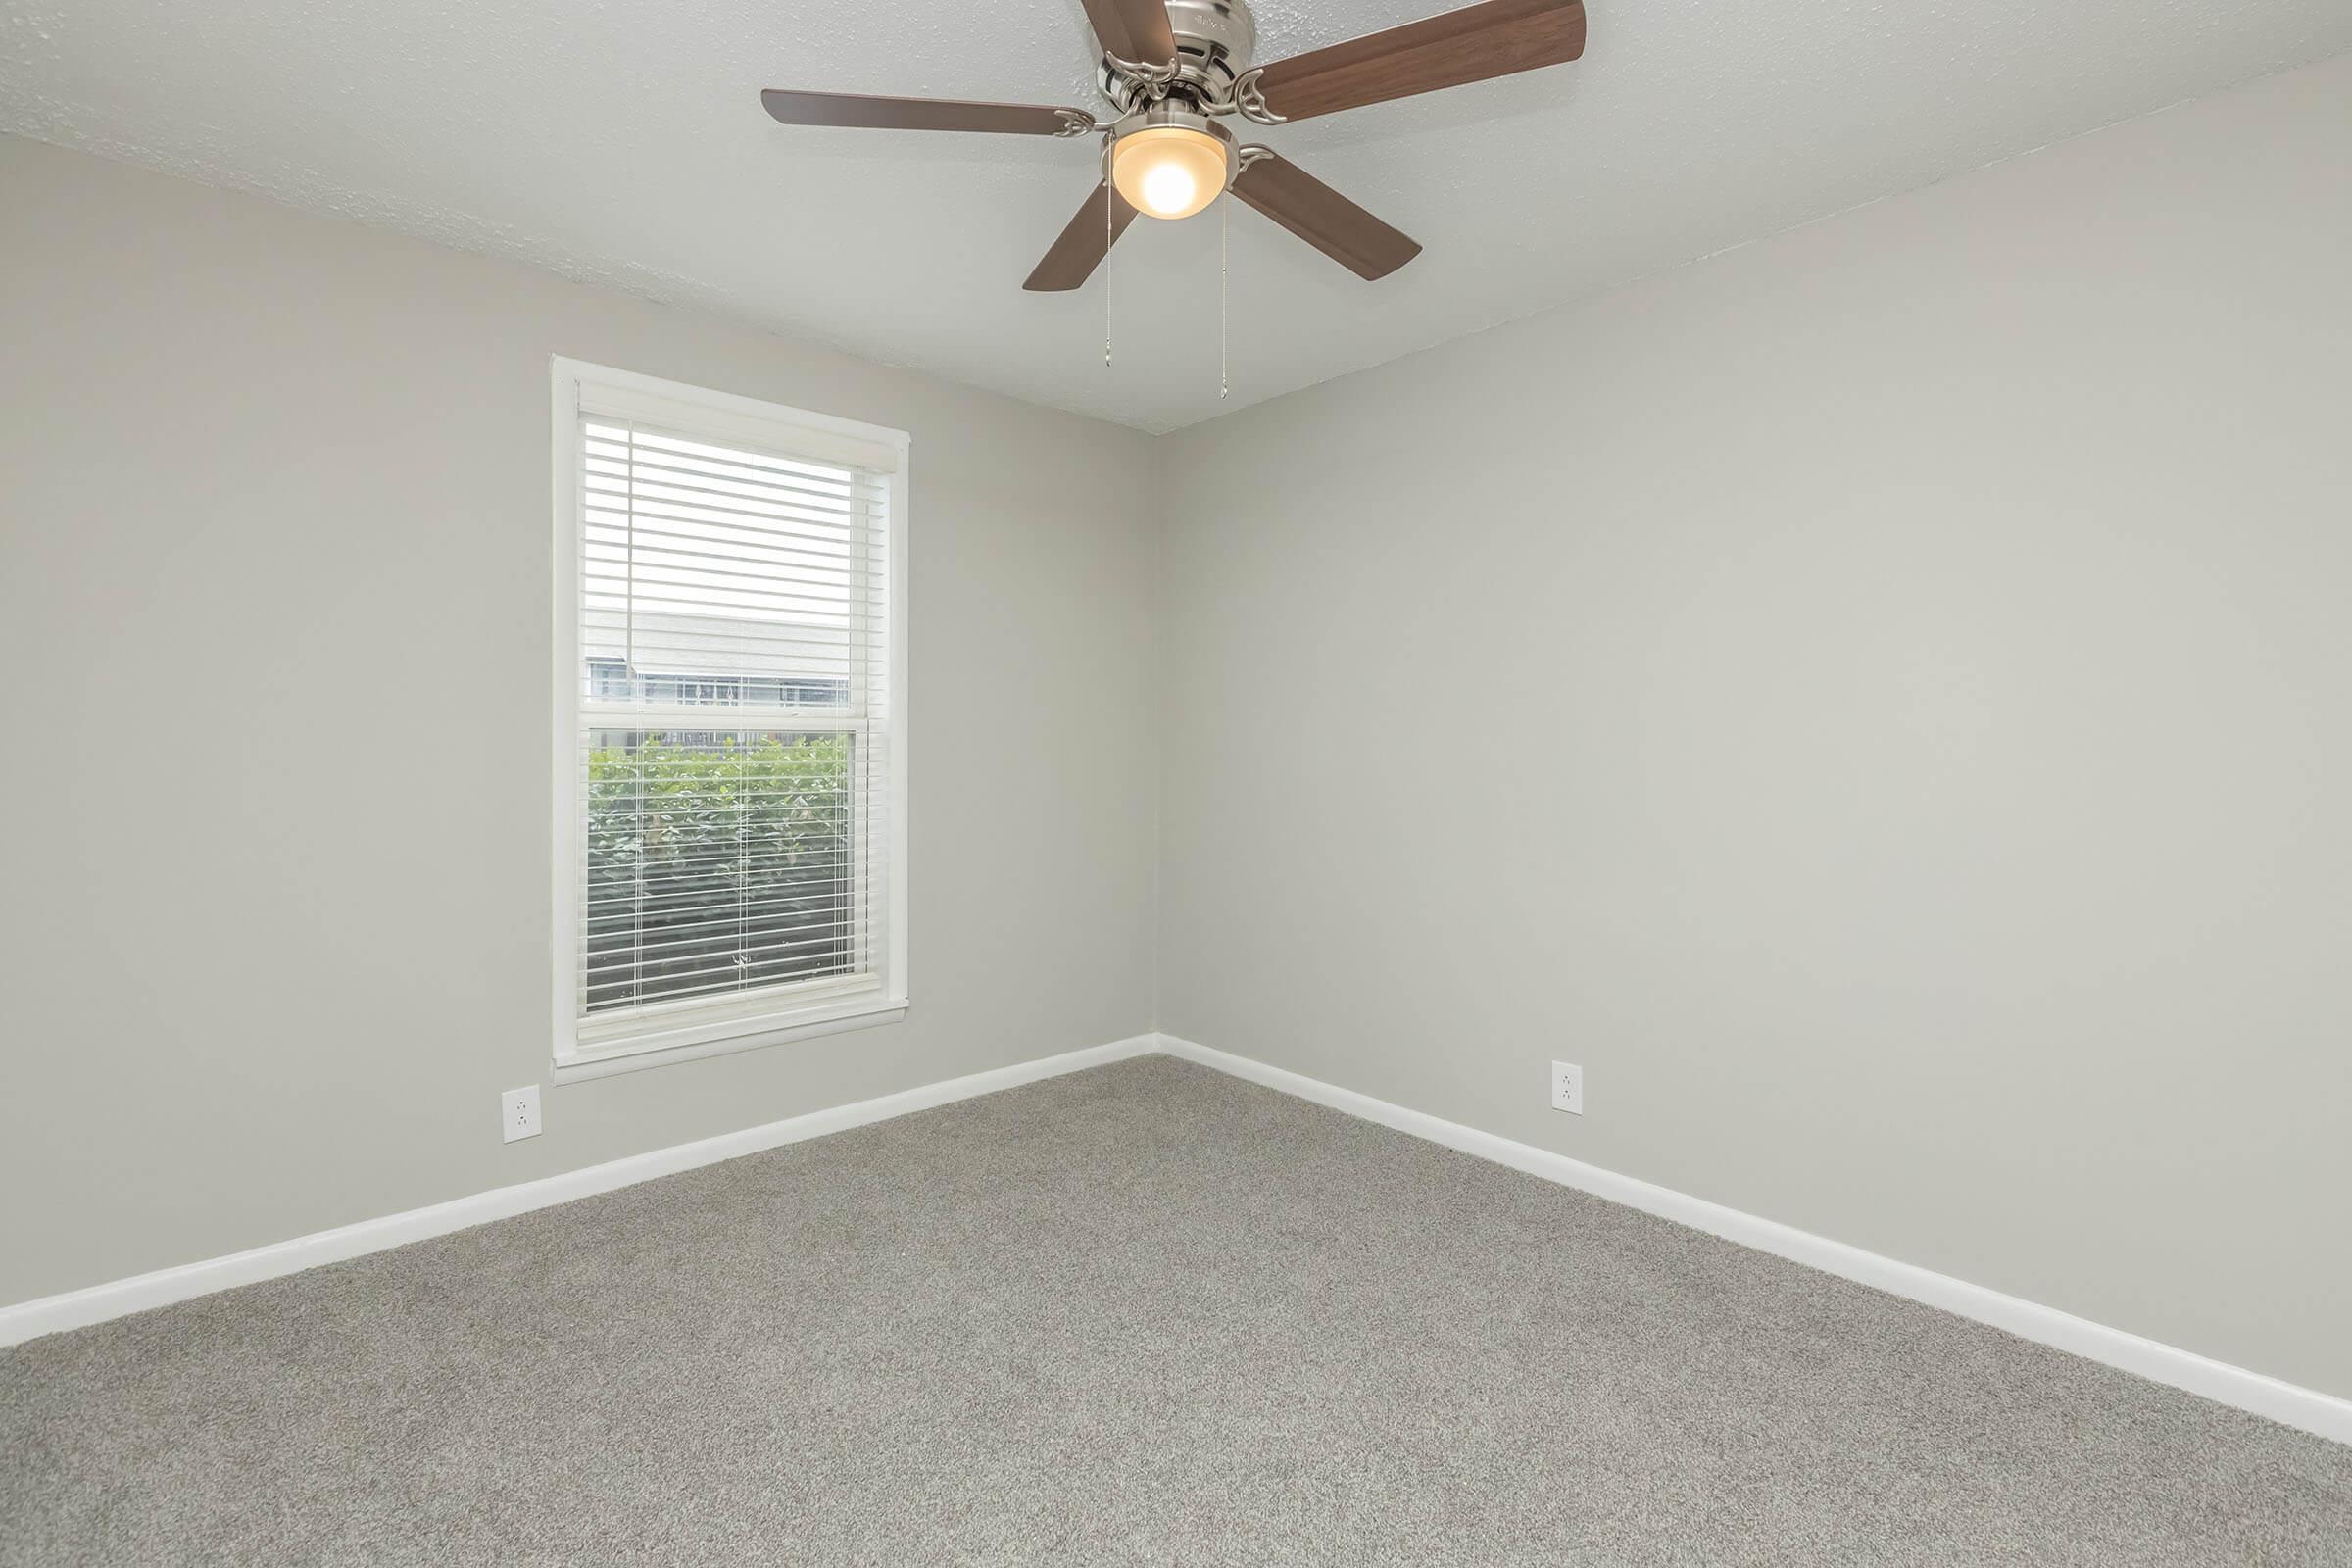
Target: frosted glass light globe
[1169,187]
[1169,170]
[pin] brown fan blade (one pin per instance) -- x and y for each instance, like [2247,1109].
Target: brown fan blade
[1500,38]
[922,113]
[1324,218]
[1133,29]
[1082,245]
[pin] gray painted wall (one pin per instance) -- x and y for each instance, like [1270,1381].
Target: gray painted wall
[1881,699]
[245,454]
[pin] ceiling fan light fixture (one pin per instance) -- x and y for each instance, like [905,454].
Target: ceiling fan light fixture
[1171,170]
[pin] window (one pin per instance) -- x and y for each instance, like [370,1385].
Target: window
[730,789]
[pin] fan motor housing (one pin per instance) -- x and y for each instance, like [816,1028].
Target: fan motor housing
[1215,42]
[1219,33]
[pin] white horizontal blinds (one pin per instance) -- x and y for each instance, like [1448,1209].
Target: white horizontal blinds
[733,726]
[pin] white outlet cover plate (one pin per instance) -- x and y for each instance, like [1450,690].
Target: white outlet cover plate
[1568,1088]
[519,1112]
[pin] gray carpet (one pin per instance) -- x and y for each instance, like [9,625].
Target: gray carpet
[1146,1314]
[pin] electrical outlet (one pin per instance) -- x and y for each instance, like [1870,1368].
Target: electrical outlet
[1568,1088]
[519,1112]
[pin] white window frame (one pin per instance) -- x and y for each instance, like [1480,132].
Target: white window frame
[705,1027]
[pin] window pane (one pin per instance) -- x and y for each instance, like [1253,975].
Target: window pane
[717,861]
[717,577]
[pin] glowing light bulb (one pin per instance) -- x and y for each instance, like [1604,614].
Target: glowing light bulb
[1169,189]
[1170,170]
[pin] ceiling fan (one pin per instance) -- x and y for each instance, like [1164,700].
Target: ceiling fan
[1175,69]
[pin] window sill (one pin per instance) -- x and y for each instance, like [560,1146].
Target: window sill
[857,1012]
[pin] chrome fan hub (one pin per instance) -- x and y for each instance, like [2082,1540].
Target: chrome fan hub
[1171,115]
[1220,36]
[1215,42]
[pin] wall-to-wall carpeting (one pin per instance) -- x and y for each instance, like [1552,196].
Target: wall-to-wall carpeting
[1143,1314]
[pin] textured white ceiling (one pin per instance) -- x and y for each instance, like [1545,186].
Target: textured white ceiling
[622,142]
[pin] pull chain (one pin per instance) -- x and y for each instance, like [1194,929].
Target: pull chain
[1224,381]
[1109,195]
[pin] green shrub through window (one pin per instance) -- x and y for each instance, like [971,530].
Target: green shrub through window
[716,860]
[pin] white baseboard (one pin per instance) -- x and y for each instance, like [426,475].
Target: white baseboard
[72,1309]
[2323,1414]
[2313,1412]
